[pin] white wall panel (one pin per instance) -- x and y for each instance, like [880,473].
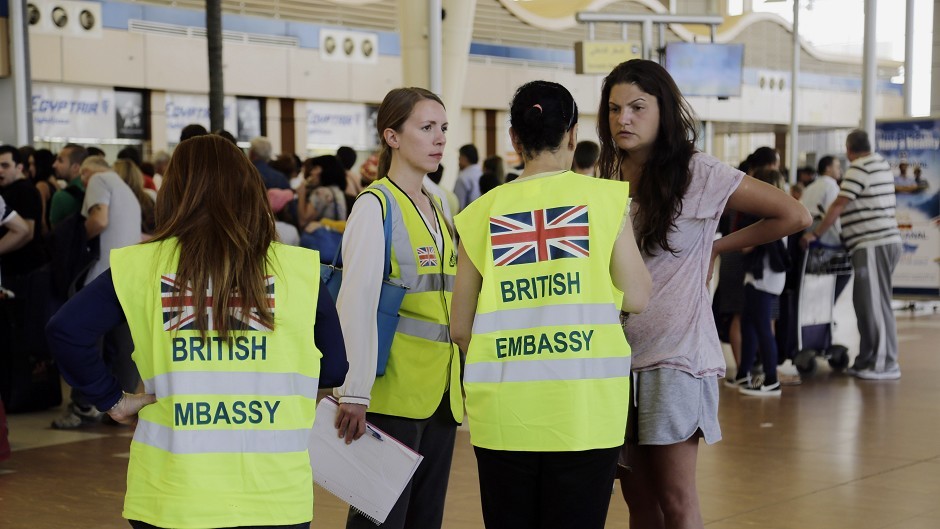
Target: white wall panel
[255,70]
[309,77]
[370,83]
[45,57]
[486,86]
[116,59]
[176,64]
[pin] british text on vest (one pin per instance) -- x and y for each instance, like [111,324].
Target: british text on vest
[195,348]
[548,285]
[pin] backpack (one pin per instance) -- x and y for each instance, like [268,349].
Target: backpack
[72,253]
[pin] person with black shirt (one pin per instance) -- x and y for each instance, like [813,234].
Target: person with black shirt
[21,196]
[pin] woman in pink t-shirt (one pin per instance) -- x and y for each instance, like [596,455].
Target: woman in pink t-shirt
[678,195]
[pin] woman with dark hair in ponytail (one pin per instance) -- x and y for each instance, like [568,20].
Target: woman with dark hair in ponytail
[547,262]
[678,196]
[418,399]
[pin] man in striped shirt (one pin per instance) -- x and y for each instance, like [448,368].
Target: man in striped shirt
[865,206]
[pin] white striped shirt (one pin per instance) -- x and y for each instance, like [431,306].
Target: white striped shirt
[868,219]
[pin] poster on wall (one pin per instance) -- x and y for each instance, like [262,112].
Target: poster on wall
[336,124]
[68,111]
[186,109]
[130,114]
[249,118]
[912,147]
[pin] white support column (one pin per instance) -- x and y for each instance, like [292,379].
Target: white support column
[648,39]
[435,46]
[16,126]
[909,59]
[458,28]
[794,158]
[415,51]
[869,87]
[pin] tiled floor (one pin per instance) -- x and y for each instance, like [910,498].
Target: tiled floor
[834,452]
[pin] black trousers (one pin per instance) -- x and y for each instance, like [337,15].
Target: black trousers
[546,490]
[421,504]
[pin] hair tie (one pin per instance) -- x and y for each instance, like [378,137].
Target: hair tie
[538,106]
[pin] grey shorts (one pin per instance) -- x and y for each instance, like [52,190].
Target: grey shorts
[669,406]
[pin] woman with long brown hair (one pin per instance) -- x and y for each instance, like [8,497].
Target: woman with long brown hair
[418,399]
[678,195]
[222,318]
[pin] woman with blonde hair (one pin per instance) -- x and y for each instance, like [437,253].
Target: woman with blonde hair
[229,328]
[134,178]
[418,399]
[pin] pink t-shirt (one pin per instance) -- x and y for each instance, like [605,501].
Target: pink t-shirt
[677,329]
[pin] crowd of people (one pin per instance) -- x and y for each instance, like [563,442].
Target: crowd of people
[569,303]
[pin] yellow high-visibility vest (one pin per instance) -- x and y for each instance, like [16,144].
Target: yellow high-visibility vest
[226,442]
[424,362]
[548,367]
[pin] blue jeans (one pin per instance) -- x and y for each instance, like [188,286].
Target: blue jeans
[756,332]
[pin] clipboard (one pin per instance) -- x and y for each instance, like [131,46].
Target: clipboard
[369,474]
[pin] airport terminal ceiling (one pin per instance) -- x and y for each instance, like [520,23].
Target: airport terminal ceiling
[768,41]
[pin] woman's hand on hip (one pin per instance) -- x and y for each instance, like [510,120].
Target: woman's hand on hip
[130,404]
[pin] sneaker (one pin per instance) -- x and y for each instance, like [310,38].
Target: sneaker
[75,417]
[855,370]
[736,383]
[787,368]
[892,373]
[788,374]
[763,390]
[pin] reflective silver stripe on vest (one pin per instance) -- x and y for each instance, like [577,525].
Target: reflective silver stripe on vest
[221,441]
[538,370]
[232,383]
[404,251]
[432,283]
[547,316]
[423,329]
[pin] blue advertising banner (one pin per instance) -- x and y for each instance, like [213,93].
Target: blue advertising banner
[912,147]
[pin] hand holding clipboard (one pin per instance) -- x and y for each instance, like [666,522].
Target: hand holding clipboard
[369,474]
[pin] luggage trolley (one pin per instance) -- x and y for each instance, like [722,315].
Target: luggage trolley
[816,306]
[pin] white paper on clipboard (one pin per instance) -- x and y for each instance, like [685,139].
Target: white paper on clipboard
[368,474]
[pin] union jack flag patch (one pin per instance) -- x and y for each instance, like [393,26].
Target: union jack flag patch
[540,235]
[427,256]
[179,313]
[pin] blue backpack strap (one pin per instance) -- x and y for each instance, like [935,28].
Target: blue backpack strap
[385,200]
[387,227]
